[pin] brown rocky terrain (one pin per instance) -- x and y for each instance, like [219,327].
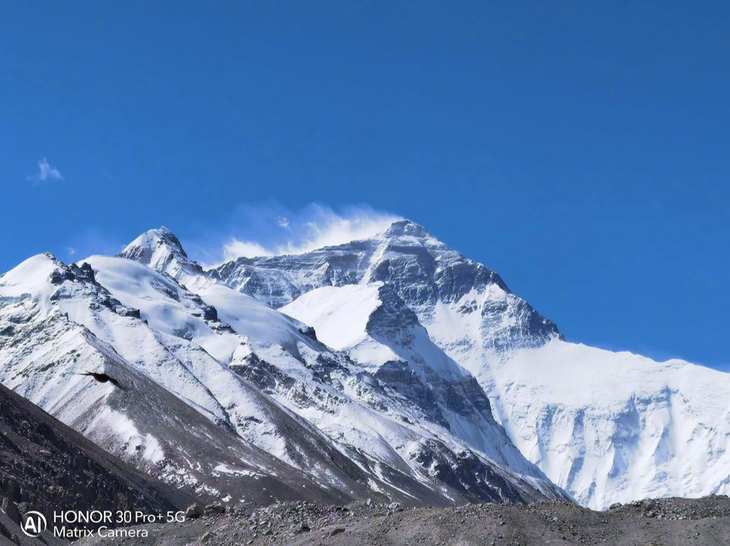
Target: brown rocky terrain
[47,466]
[666,522]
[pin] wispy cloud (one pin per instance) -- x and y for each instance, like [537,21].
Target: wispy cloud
[234,249]
[273,230]
[45,172]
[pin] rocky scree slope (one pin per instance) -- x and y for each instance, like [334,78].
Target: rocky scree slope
[666,522]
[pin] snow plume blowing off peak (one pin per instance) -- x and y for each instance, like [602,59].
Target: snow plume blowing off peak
[273,231]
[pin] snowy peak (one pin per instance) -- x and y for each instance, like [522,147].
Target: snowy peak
[406,228]
[33,272]
[155,243]
[431,278]
[162,251]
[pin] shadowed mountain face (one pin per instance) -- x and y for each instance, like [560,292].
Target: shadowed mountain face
[47,466]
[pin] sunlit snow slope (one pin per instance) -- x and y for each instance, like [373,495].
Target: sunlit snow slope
[57,323]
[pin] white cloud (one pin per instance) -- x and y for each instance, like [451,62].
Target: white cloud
[71,251]
[329,229]
[255,230]
[45,172]
[247,249]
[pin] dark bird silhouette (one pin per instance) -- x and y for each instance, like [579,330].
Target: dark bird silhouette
[103,378]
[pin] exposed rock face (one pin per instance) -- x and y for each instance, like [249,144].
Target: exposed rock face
[194,511]
[395,325]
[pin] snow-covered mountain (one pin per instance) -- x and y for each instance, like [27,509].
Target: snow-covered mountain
[607,427]
[391,367]
[382,335]
[57,323]
[222,392]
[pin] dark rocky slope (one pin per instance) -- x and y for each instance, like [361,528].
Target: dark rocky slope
[47,466]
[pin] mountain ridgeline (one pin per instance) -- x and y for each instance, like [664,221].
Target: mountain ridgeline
[390,368]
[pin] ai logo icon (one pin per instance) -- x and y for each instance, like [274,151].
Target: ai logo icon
[34,524]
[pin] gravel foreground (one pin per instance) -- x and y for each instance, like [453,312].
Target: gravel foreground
[666,522]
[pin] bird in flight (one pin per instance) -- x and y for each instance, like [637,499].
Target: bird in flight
[102,378]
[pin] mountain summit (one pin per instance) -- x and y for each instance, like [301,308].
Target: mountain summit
[607,427]
[155,246]
[422,270]
[401,228]
[161,250]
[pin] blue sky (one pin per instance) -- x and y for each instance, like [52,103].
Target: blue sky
[578,148]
